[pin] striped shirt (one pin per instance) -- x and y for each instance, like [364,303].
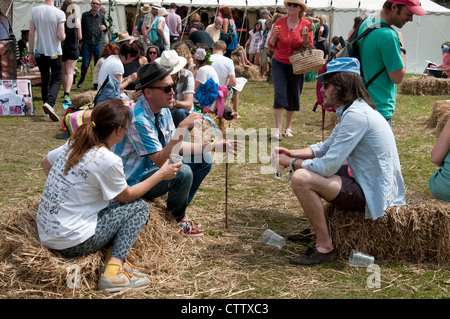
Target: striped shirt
[141,140]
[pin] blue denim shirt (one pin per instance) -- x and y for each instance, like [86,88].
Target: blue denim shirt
[365,140]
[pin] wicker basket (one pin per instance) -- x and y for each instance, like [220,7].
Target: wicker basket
[307,61]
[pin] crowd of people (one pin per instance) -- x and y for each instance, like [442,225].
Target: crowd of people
[356,168]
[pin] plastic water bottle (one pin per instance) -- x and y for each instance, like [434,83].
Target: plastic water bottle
[36,53]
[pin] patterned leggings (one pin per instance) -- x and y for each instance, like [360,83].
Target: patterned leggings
[118,224]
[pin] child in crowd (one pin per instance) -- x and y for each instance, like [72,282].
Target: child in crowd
[255,40]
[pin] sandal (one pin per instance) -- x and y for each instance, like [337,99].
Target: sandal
[276,137]
[313,256]
[288,133]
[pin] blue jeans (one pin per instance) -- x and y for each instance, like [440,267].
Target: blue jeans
[87,51]
[183,187]
[178,115]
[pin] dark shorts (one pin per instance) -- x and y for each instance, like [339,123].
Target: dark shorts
[70,55]
[351,196]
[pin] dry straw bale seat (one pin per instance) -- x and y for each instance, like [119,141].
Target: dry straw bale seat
[439,116]
[30,270]
[425,85]
[418,232]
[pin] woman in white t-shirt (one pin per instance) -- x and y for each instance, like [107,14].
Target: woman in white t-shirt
[87,204]
[113,65]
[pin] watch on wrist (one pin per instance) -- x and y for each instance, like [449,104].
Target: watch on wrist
[403,50]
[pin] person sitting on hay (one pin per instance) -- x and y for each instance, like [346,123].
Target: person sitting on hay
[442,70]
[440,155]
[87,204]
[152,137]
[370,182]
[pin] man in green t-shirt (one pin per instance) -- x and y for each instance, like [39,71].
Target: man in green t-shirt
[384,48]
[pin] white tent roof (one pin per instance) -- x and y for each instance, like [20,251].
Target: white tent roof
[423,37]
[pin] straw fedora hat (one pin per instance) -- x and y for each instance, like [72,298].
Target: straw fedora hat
[299,2]
[149,73]
[171,60]
[124,36]
[162,12]
[146,8]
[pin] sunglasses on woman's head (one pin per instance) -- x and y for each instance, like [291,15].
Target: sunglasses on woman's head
[166,89]
[295,5]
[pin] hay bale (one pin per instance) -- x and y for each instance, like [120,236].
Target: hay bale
[83,99]
[417,232]
[439,116]
[251,72]
[425,85]
[30,270]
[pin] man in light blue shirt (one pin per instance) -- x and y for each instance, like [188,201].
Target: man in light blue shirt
[152,137]
[371,181]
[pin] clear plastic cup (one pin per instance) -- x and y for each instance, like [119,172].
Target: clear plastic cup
[175,158]
[359,259]
[271,238]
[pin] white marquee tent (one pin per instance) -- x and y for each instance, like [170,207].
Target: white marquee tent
[423,37]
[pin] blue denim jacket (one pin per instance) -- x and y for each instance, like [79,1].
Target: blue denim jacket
[365,140]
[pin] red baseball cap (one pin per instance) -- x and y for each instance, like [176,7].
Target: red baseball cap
[412,5]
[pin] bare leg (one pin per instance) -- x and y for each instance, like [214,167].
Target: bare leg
[279,118]
[310,187]
[289,118]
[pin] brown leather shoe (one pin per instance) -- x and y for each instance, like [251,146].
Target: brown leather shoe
[313,256]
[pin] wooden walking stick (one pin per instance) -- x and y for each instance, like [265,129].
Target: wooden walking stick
[226,191]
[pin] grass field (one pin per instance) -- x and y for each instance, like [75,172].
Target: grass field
[233,262]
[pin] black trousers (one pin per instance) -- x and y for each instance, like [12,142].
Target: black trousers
[51,77]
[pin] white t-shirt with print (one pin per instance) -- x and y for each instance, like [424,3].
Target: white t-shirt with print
[67,213]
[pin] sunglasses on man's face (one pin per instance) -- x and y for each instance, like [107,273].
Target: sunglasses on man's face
[325,85]
[166,89]
[96,3]
[295,5]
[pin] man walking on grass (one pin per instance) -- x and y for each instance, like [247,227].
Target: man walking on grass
[47,23]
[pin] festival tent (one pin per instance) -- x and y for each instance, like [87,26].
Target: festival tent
[423,37]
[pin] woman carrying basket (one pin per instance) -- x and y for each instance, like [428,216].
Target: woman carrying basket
[289,34]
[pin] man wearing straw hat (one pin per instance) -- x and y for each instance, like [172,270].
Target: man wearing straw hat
[151,12]
[152,138]
[383,51]
[371,181]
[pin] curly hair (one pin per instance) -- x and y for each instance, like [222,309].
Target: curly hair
[109,48]
[226,12]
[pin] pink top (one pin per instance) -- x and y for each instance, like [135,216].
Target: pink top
[446,62]
[290,40]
